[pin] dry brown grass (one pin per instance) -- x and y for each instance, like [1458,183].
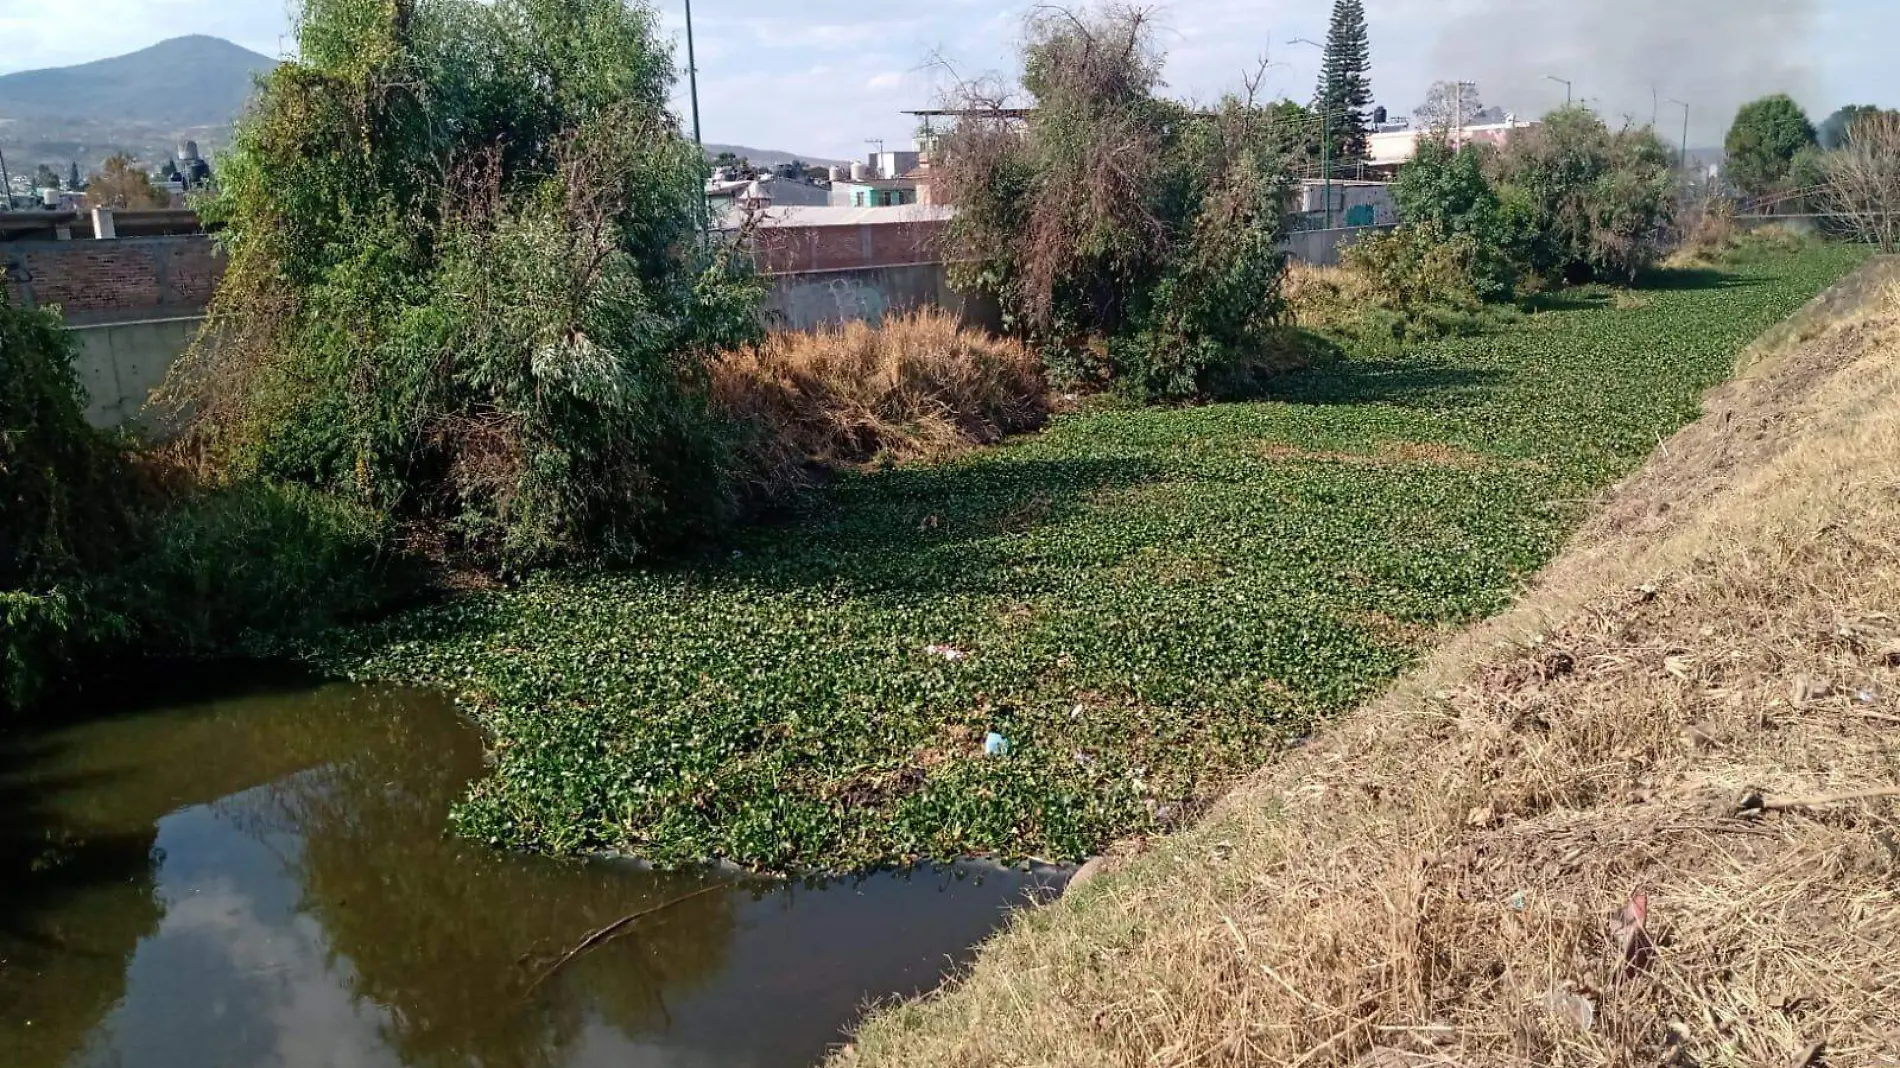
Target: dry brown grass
[1325,298]
[1423,882]
[918,386]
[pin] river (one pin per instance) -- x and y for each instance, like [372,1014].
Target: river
[266,879]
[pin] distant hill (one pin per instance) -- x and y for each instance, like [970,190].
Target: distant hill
[767,157]
[142,103]
[145,102]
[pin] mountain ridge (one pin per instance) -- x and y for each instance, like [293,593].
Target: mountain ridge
[145,102]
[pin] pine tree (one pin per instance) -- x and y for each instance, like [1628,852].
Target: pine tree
[1345,81]
[73,182]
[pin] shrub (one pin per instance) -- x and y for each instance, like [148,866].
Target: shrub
[1582,202]
[215,571]
[1863,180]
[1709,233]
[1427,281]
[916,386]
[1131,239]
[1445,190]
[467,283]
[61,506]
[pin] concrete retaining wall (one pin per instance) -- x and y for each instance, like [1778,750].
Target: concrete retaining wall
[1321,248]
[133,304]
[121,364]
[811,299]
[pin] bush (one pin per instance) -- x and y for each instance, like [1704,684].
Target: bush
[1131,239]
[1582,202]
[96,564]
[1444,189]
[1418,281]
[216,571]
[468,286]
[62,508]
[916,386]
[59,501]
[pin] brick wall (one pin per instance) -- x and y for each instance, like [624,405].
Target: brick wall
[115,281]
[795,249]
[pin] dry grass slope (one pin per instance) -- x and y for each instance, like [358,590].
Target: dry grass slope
[1699,704]
[918,386]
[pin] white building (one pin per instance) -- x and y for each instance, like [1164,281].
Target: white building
[1391,147]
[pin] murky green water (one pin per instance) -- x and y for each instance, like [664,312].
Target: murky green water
[264,880]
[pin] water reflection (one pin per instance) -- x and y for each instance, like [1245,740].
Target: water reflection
[264,881]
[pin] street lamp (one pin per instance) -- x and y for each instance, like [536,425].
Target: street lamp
[1325,130]
[1570,94]
[692,73]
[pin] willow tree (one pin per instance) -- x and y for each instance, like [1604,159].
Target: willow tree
[468,284]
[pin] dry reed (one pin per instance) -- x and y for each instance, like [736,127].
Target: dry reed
[919,386]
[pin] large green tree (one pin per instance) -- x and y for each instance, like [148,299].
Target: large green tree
[1762,145]
[468,285]
[1834,129]
[1345,81]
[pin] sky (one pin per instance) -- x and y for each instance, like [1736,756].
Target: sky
[822,77]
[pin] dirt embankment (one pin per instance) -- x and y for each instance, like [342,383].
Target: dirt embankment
[1649,816]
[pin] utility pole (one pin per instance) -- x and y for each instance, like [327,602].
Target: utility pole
[1685,139]
[1570,93]
[1325,129]
[692,73]
[6,185]
[1458,119]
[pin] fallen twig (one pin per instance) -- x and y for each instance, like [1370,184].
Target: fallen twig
[614,930]
[1757,803]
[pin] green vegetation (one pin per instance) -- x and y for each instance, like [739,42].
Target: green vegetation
[1568,201]
[1132,239]
[1584,202]
[1762,145]
[58,514]
[467,285]
[1146,603]
[99,559]
[1344,95]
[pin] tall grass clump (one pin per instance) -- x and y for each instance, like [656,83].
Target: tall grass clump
[918,386]
[468,284]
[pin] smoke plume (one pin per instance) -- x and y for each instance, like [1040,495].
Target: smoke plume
[1714,54]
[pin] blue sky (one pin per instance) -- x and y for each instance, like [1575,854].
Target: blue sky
[822,76]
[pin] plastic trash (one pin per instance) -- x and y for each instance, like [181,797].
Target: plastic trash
[948,652]
[995,745]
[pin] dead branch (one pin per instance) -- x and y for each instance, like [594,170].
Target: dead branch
[614,930]
[1756,803]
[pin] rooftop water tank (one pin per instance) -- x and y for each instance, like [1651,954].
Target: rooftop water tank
[860,172]
[840,174]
